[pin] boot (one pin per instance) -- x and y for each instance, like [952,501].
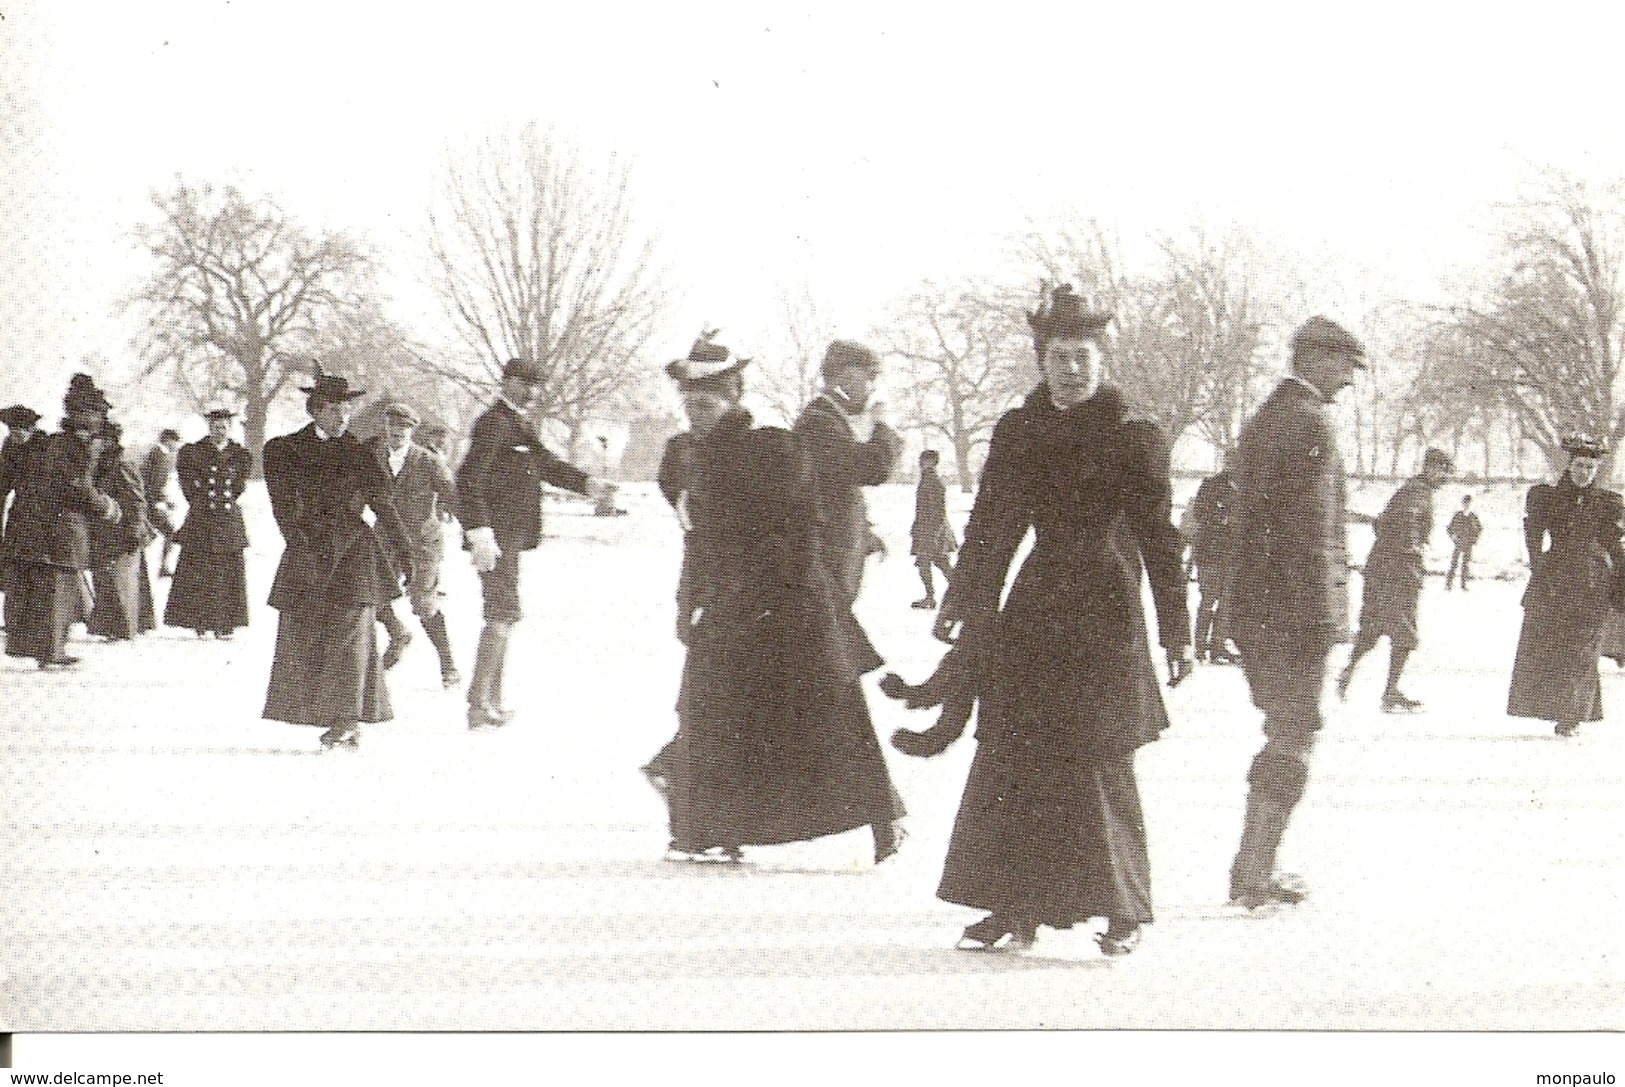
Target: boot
[488,662]
[399,636]
[435,628]
[1253,882]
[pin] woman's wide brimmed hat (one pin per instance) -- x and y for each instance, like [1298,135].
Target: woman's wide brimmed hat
[19,417]
[1584,445]
[1062,315]
[708,365]
[83,395]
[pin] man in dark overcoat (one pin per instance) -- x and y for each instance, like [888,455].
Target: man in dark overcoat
[933,539]
[210,589]
[1288,601]
[1464,530]
[157,469]
[499,494]
[48,530]
[337,567]
[118,552]
[425,497]
[1208,529]
[22,425]
[1393,579]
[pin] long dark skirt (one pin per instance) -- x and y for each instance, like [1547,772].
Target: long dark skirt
[325,670]
[1052,842]
[786,766]
[209,592]
[123,606]
[43,602]
[1555,676]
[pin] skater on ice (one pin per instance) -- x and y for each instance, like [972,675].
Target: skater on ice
[1207,528]
[932,535]
[1288,600]
[1050,829]
[123,606]
[22,426]
[209,593]
[1464,530]
[47,543]
[157,482]
[338,566]
[1392,592]
[1572,529]
[774,741]
[424,495]
[499,496]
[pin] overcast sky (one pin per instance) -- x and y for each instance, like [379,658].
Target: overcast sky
[858,150]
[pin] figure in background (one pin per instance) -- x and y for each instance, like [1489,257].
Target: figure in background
[210,591]
[1576,575]
[1392,591]
[157,474]
[1288,597]
[338,566]
[424,496]
[22,426]
[1050,829]
[1207,528]
[118,551]
[48,530]
[933,536]
[1464,530]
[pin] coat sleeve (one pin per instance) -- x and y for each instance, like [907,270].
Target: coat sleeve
[1148,503]
[286,507]
[474,475]
[839,460]
[186,474]
[1534,524]
[998,522]
[242,464]
[376,493]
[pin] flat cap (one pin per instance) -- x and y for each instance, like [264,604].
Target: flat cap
[1323,334]
[524,370]
[402,412]
[842,354]
[1438,458]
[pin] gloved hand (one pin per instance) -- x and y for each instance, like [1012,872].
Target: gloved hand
[482,544]
[109,509]
[1180,665]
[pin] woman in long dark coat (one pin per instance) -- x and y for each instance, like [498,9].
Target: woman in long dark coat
[1577,574]
[1050,830]
[118,552]
[336,569]
[210,590]
[774,742]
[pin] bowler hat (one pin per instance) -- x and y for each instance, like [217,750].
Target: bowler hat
[1438,458]
[525,370]
[1323,334]
[332,388]
[19,417]
[708,364]
[1584,445]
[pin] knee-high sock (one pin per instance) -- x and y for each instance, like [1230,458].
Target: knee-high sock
[1396,666]
[435,627]
[391,622]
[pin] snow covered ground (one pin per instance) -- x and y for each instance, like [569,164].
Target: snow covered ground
[173,862]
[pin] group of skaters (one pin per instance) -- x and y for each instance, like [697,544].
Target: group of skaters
[774,741]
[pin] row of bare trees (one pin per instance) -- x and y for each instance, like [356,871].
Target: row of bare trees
[535,254]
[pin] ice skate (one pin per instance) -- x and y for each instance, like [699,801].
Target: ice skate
[925,604]
[1119,939]
[1396,701]
[341,736]
[995,933]
[1344,678]
[397,646]
[679,852]
[1565,730]
[1281,889]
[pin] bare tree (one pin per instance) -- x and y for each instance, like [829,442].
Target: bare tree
[238,297]
[965,358]
[535,257]
[786,374]
[1546,340]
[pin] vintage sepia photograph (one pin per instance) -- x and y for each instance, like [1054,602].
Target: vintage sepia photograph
[920,527]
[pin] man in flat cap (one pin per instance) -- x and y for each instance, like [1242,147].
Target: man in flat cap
[337,568]
[210,589]
[22,425]
[1288,592]
[157,474]
[1393,579]
[48,531]
[424,495]
[499,495]
[849,446]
